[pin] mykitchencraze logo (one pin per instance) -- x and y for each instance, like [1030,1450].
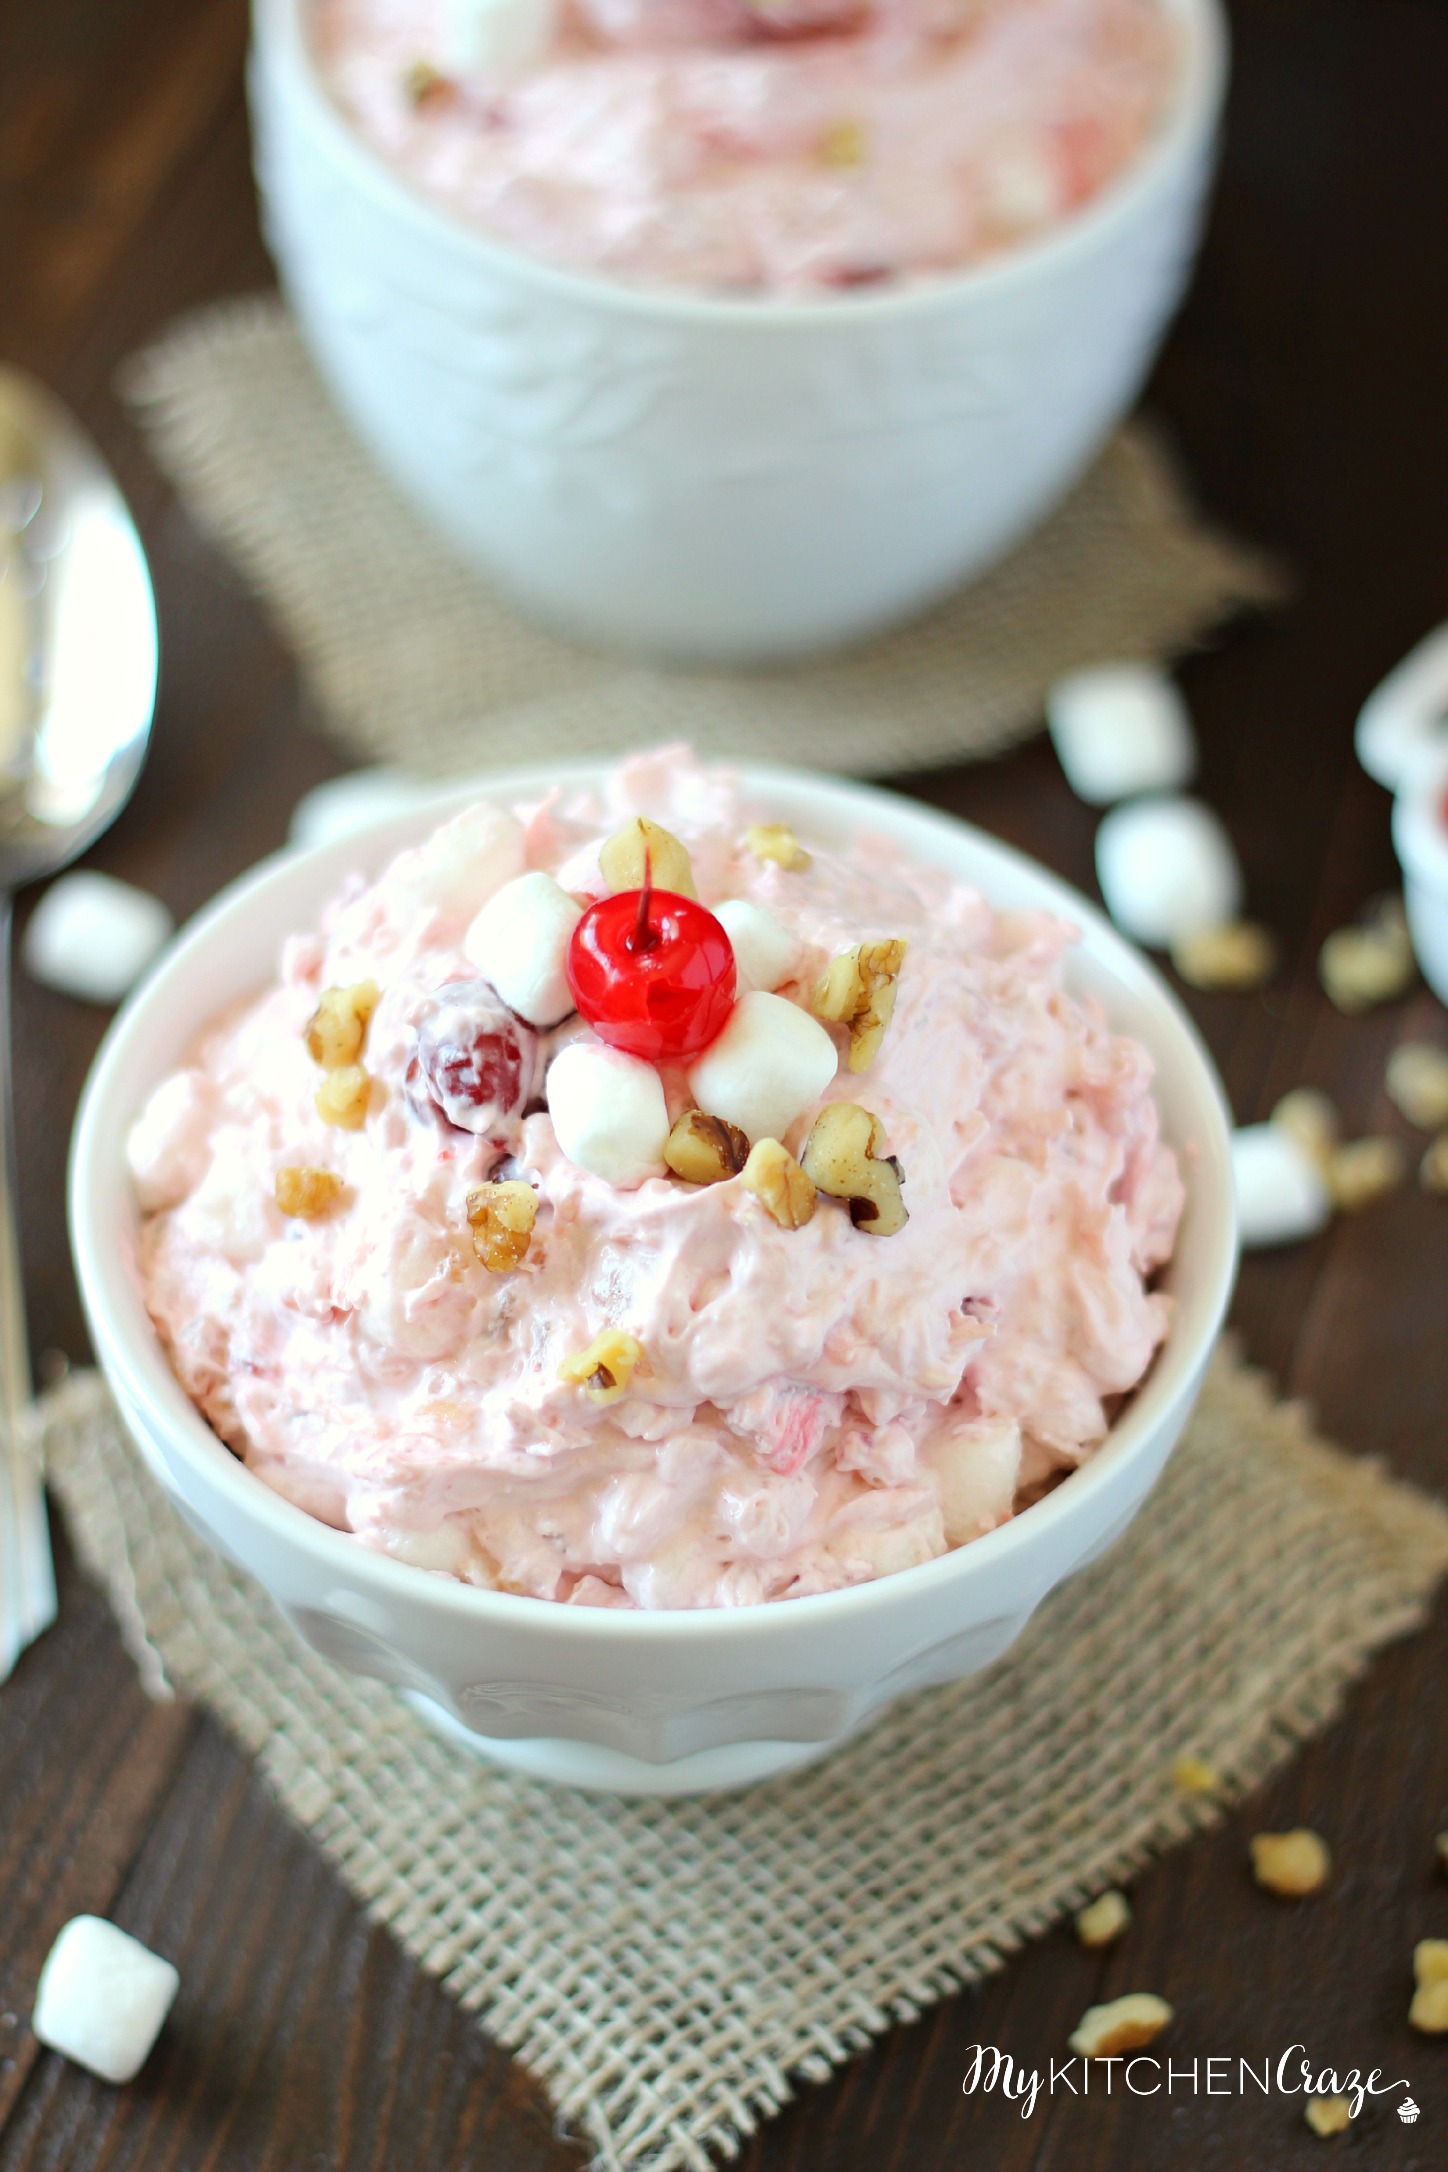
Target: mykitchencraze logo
[993,2072]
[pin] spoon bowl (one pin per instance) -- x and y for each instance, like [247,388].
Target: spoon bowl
[78,664]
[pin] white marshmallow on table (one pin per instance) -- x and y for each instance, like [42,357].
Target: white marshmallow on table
[498,38]
[609,1113]
[344,805]
[1281,1192]
[102,1998]
[765,951]
[1120,729]
[1404,722]
[93,937]
[770,1062]
[519,942]
[1167,869]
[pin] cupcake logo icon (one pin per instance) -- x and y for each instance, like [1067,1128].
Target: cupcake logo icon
[1407,2111]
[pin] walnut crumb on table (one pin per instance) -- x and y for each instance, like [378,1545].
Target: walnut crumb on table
[1328,2115]
[1192,1775]
[1104,1921]
[1429,2010]
[1125,2024]
[1291,1864]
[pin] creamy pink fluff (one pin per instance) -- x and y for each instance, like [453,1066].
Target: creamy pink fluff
[693,145]
[815,1407]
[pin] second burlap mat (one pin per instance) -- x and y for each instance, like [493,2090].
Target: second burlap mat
[415,659]
[670,1970]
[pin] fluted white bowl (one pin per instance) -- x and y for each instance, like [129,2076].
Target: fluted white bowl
[651,1703]
[712,478]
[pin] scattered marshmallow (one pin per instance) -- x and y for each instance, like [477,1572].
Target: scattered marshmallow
[501,39]
[765,951]
[519,942]
[1121,729]
[1282,1195]
[768,1065]
[459,867]
[1403,724]
[609,1113]
[1167,869]
[102,1998]
[344,805]
[93,937]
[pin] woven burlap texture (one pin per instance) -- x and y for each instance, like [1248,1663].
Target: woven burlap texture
[413,658]
[669,1970]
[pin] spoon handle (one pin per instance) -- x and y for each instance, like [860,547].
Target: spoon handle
[27,1574]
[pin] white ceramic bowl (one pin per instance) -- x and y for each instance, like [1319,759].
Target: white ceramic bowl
[1420,834]
[642,1702]
[710,478]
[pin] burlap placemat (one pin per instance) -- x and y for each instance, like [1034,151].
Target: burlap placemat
[413,658]
[670,1970]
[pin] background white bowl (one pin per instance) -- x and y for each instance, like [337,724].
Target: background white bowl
[664,1702]
[710,478]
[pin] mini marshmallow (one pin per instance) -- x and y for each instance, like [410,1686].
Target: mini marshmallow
[609,1113]
[1403,724]
[765,951]
[93,937]
[519,942]
[501,39]
[1167,869]
[102,1998]
[458,868]
[767,1066]
[1281,1193]
[344,805]
[1120,729]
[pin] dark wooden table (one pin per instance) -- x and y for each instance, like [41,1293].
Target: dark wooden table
[1307,383]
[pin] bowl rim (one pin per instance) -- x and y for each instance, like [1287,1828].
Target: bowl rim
[129,1350]
[1184,130]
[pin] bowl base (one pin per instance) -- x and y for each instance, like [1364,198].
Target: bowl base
[612,1772]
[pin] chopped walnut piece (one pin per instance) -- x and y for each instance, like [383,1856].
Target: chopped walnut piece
[1104,1921]
[1371,963]
[1328,2115]
[1430,1960]
[644,847]
[843,143]
[779,1184]
[305,1192]
[337,1028]
[1417,1083]
[1103,2032]
[343,1095]
[1310,1117]
[605,1368]
[1363,1170]
[425,85]
[777,841]
[842,1156]
[1292,1864]
[1194,1776]
[1239,955]
[1433,1168]
[704,1149]
[501,1217]
[857,989]
[1429,2010]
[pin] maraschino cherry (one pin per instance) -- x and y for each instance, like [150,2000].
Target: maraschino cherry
[653,973]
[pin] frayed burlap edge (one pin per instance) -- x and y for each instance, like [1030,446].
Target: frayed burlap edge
[415,659]
[670,1970]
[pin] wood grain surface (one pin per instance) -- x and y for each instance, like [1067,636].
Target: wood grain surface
[1305,383]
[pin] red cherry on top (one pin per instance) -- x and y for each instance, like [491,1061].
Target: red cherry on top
[653,973]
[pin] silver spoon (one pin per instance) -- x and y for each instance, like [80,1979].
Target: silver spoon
[77,691]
